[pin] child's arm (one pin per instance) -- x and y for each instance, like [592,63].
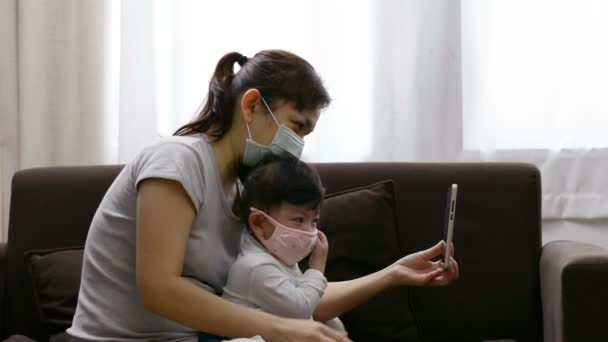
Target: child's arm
[277,293]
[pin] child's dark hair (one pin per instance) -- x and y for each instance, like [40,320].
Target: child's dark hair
[275,180]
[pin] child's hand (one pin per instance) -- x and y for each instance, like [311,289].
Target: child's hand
[318,257]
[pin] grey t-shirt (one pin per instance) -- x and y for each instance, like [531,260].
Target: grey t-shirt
[109,308]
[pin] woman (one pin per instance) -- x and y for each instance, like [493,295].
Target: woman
[164,236]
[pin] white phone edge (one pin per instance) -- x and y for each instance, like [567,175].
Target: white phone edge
[451,218]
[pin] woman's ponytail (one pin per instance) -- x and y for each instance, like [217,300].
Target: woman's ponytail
[277,74]
[216,112]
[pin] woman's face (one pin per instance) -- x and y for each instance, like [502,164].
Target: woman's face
[262,125]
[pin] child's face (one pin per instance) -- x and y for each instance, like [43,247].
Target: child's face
[291,215]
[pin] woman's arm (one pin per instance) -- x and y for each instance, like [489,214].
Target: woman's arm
[413,270]
[164,218]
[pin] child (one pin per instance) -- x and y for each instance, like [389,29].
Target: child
[280,204]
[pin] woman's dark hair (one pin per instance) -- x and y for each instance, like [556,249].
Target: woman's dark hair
[275,180]
[277,74]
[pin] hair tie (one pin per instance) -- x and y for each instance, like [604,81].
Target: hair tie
[242,60]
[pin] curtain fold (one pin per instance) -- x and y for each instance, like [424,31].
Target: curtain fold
[64,88]
[9,148]
[138,107]
[574,185]
[417,107]
[60,84]
[84,82]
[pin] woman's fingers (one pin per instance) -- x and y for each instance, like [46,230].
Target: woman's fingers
[448,276]
[454,268]
[334,336]
[430,277]
[433,252]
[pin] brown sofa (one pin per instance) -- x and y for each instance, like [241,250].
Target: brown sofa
[507,279]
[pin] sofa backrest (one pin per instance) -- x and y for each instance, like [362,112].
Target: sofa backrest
[497,238]
[50,208]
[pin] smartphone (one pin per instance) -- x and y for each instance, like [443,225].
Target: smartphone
[448,224]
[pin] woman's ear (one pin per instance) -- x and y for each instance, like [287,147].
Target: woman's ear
[249,100]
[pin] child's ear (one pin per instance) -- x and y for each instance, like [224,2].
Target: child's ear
[255,223]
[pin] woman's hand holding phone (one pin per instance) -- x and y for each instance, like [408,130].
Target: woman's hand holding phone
[419,269]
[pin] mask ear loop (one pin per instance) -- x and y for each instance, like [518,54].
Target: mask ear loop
[248,131]
[271,114]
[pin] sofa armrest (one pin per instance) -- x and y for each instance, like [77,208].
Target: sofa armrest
[573,280]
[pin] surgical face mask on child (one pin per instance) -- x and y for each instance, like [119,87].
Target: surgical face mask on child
[285,141]
[289,245]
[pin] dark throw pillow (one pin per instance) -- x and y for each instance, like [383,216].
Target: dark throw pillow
[361,227]
[55,275]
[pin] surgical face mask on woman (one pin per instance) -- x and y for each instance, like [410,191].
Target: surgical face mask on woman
[289,245]
[284,142]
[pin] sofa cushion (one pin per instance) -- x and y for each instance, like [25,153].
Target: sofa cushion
[361,227]
[55,276]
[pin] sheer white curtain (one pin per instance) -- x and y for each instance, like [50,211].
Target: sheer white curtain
[534,76]
[424,81]
[88,82]
[392,68]
[93,82]
[57,97]
[334,36]
[417,81]
[8,104]
[76,85]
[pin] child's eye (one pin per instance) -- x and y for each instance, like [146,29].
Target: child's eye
[299,219]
